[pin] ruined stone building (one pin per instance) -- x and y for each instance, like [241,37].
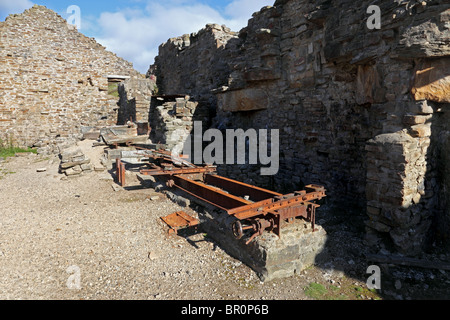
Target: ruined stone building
[54,80]
[363,111]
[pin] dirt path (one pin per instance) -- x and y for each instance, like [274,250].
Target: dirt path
[54,230]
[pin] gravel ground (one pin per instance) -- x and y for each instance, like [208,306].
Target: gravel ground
[54,230]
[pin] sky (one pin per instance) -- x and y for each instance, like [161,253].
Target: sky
[134,29]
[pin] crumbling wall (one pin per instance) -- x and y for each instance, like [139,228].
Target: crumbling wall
[53,80]
[360,110]
[195,64]
[135,96]
[172,121]
[207,70]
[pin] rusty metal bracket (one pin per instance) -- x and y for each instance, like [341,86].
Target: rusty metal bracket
[120,172]
[179,220]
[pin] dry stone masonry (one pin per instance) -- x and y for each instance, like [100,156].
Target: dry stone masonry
[195,64]
[134,100]
[362,111]
[172,120]
[54,80]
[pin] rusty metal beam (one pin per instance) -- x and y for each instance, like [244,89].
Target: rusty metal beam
[266,206]
[213,195]
[120,172]
[160,172]
[240,189]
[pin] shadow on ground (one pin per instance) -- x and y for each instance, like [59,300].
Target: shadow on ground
[345,252]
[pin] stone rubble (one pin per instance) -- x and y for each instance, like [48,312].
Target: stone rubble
[74,162]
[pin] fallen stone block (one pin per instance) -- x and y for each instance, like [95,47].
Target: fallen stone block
[77,168]
[119,130]
[99,168]
[68,156]
[106,177]
[86,167]
[72,172]
[108,164]
[79,158]
[112,154]
[116,187]
[66,165]
[90,133]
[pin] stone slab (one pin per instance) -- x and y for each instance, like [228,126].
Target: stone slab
[268,255]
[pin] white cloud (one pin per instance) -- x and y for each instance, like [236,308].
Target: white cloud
[242,10]
[136,35]
[14,6]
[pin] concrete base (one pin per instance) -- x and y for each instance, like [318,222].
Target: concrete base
[269,256]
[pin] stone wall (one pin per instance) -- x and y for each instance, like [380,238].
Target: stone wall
[172,121]
[207,68]
[53,80]
[135,99]
[359,110]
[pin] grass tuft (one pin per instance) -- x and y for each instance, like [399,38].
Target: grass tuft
[11,151]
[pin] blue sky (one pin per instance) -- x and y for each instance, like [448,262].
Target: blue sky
[133,29]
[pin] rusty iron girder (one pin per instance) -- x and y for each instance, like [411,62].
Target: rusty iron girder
[176,171]
[215,196]
[240,189]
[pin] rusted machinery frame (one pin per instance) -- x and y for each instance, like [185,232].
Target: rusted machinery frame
[306,210]
[265,206]
[272,221]
[259,209]
[267,214]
